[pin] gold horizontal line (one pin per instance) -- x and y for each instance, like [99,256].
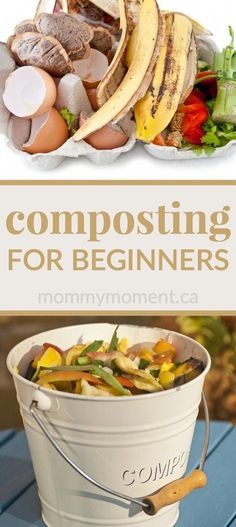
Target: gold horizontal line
[115,313]
[117,183]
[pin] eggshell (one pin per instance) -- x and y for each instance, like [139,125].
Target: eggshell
[92,69]
[107,138]
[29,92]
[48,133]
[92,95]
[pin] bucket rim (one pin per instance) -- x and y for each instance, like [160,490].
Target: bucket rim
[76,397]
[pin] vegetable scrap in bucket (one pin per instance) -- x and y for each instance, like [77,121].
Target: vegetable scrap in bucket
[111,369]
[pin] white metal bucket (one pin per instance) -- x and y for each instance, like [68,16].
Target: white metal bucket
[133,445]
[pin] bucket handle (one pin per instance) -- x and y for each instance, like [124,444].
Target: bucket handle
[167,495]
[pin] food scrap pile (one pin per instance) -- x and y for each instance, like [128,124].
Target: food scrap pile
[84,68]
[104,369]
[206,119]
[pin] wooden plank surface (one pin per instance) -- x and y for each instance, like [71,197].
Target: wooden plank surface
[219,430]
[5,436]
[215,506]
[16,472]
[24,512]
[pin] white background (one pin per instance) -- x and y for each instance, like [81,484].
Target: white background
[19,289]
[136,164]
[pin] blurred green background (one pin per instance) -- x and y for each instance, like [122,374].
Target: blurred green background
[217,334]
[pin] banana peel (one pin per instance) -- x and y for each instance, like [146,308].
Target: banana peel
[134,7]
[191,71]
[198,29]
[132,46]
[155,111]
[117,68]
[139,75]
[111,7]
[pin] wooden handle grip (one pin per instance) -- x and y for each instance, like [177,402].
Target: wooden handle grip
[175,491]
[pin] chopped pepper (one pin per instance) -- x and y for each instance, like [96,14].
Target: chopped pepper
[207,81]
[195,115]
[59,376]
[110,379]
[159,140]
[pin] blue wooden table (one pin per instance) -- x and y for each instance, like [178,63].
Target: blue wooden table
[214,506]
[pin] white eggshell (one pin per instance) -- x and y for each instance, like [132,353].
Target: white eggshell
[29,92]
[91,70]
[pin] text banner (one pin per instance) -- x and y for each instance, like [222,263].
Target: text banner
[110,247]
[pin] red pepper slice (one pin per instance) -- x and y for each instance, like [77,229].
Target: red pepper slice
[191,108]
[194,136]
[210,84]
[204,74]
[195,115]
[127,383]
[195,97]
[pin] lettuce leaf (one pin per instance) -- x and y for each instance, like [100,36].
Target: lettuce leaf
[69,117]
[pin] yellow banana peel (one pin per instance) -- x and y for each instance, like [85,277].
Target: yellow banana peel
[139,75]
[155,111]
